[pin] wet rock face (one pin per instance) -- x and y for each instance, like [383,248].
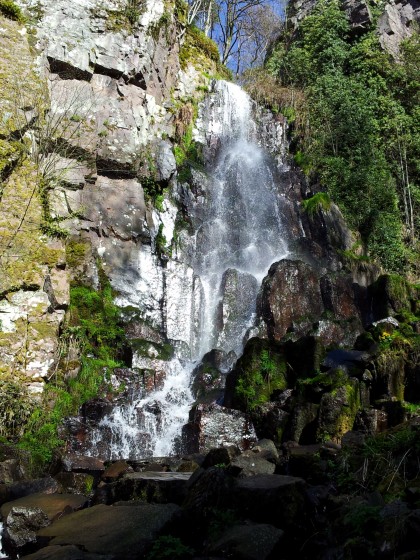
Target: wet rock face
[290,294]
[212,425]
[296,300]
[239,292]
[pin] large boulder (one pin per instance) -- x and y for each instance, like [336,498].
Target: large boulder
[22,524]
[275,499]
[212,425]
[290,298]
[124,530]
[53,505]
[253,541]
[259,372]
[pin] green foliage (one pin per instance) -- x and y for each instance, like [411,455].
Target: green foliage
[395,443]
[11,10]
[363,519]
[361,141]
[261,372]
[169,547]
[154,191]
[15,408]
[187,154]
[327,381]
[161,247]
[320,201]
[197,45]
[93,326]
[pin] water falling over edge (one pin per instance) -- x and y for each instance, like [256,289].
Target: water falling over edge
[239,233]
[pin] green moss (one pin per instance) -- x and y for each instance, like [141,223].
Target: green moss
[199,50]
[10,153]
[152,349]
[261,371]
[327,381]
[188,154]
[11,10]
[162,24]
[76,252]
[320,201]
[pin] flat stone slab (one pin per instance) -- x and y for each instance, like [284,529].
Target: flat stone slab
[51,504]
[151,486]
[124,530]
[70,552]
[82,463]
[159,476]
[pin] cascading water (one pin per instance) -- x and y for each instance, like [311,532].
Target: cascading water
[239,233]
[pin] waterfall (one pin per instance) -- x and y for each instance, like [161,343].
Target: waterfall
[238,233]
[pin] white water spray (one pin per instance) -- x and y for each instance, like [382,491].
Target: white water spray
[238,235]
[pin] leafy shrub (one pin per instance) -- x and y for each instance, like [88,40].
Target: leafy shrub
[168,547]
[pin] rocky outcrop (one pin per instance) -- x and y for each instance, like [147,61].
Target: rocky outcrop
[397,23]
[297,300]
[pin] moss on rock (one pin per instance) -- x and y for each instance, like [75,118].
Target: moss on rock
[260,372]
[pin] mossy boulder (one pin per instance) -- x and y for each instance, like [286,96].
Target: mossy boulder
[391,295]
[258,374]
[338,410]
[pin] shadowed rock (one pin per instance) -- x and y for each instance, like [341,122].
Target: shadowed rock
[125,530]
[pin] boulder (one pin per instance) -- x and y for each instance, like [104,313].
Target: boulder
[338,410]
[52,505]
[116,470]
[10,471]
[220,456]
[238,292]
[22,524]
[270,420]
[271,498]
[76,483]
[207,376]
[290,298]
[396,24]
[252,541]
[358,14]
[259,373]
[125,530]
[82,463]
[210,488]
[251,463]
[17,490]
[212,425]
[391,295]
